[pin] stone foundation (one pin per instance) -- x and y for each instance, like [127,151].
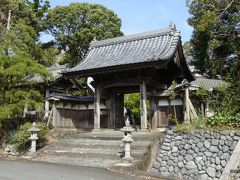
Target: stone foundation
[195,155]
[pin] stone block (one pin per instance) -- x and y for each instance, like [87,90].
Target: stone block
[208,154]
[200,144]
[156,165]
[188,157]
[232,147]
[213,149]
[214,142]
[211,172]
[180,164]
[207,144]
[223,163]
[183,152]
[190,165]
[187,146]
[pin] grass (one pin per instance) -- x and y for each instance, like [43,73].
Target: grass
[199,124]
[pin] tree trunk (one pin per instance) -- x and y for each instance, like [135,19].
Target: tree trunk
[8,21]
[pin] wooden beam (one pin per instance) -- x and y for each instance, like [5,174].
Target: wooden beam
[47,93]
[153,110]
[143,106]
[187,115]
[54,109]
[232,164]
[192,109]
[97,108]
[112,112]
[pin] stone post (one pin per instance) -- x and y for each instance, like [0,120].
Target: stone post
[33,137]
[127,140]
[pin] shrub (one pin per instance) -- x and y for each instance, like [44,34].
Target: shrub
[186,126]
[224,119]
[22,141]
[11,137]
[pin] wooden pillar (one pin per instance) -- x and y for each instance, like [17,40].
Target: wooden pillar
[143,105]
[187,104]
[202,110]
[46,104]
[153,110]
[112,112]
[97,108]
[207,109]
[54,111]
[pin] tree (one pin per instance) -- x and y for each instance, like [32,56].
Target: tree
[132,104]
[17,62]
[187,50]
[216,45]
[76,25]
[32,15]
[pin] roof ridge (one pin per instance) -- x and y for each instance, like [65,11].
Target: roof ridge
[133,37]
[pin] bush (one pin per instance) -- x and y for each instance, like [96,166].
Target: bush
[22,141]
[11,137]
[224,119]
[186,126]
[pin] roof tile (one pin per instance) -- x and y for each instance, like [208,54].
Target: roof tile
[139,48]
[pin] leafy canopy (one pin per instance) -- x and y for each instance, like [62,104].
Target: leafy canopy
[215,46]
[17,62]
[76,25]
[215,40]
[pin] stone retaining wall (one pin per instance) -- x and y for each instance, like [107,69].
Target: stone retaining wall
[195,155]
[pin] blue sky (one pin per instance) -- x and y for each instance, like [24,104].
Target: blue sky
[143,15]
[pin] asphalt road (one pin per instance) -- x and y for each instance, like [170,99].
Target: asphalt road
[28,170]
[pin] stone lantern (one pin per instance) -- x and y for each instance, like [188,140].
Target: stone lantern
[33,137]
[127,139]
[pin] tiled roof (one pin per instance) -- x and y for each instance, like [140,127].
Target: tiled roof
[55,70]
[71,98]
[207,84]
[132,49]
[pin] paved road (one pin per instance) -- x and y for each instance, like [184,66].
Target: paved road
[28,170]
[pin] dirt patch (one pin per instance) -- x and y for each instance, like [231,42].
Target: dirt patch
[50,136]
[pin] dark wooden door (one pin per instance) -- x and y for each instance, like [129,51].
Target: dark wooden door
[163,117]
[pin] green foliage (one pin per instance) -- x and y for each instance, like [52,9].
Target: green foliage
[201,94]
[13,69]
[11,137]
[22,141]
[132,103]
[214,37]
[16,62]
[27,21]
[224,119]
[195,124]
[215,50]
[76,25]
[31,13]
[173,118]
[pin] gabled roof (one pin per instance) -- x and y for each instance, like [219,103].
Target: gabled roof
[207,84]
[55,71]
[148,47]
[58,96]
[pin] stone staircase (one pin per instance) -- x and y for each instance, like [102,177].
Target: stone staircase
[96,149]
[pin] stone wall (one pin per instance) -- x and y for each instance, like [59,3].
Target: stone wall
[195,155]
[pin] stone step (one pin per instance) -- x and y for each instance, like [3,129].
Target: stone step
[91,153]
[97,149]
[98,144]
[89,162]
[110,136]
